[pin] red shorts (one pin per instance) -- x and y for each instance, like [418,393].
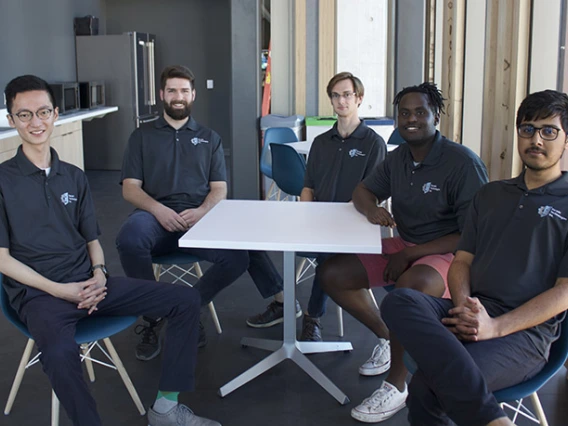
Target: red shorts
[375,264]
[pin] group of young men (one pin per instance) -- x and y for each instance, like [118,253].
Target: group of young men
[480,269]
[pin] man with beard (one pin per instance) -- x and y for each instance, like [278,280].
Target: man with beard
[508,282]
[173,173]
[431,181]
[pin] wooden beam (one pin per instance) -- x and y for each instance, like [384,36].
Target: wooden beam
[300,57]
[326,53]
[453,68]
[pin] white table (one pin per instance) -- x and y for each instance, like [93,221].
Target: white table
[303,147]
[288,227]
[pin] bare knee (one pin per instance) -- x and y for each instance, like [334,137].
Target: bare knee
[422,278]
[342,272]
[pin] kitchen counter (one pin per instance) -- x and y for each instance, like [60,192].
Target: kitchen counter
[83,115]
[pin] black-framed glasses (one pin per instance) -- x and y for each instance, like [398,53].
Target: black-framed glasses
[26,116]
[346,95]
[546,133]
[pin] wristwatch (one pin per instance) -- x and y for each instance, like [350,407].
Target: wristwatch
[100,266]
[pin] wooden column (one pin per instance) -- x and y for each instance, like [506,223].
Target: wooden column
[300,57]
[326,53]
[453,68]
[506,70]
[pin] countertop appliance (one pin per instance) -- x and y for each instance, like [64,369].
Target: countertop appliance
[126,64]
[91,94]
[66,96]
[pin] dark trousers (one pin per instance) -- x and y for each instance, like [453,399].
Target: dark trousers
[318,298]
[52,323]
[142,237]
[455,380]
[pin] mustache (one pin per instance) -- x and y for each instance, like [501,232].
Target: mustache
[535,149]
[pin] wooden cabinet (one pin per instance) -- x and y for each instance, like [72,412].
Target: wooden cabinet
[66,139]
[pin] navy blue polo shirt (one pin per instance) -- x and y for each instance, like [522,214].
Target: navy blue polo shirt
[336,164]
[429,199]
[519,238]
[175,166]
[46,222]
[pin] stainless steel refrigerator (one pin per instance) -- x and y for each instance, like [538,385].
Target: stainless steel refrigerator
[126,64]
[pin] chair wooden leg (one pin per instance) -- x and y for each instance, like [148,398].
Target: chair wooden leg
[199,274]
[124,375]
[54,409]
[157,270]
[538,409]
[88,362]
[373,297]
[339,321]
[215,317]
[300,268]
[19,376]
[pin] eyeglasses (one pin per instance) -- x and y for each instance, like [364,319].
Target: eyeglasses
[346,95]
[26,116]
[547,133]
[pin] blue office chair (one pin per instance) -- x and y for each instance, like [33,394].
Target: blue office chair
[273,135]
[557,358]
[170,264]
[89,331]
[395,138]
[288,169]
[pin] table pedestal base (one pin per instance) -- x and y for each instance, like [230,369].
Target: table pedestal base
[295,352]
[290,348]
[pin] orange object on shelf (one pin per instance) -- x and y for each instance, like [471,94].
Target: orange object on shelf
[266,89]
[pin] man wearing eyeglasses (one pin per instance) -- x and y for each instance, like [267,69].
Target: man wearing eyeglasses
[508,284]
[54,267]
[339,159]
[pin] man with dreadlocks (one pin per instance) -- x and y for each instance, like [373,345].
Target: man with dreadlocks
[431,181]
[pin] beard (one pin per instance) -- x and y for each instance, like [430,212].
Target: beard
[178,113]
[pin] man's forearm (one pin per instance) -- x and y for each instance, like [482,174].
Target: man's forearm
[459,279]
[536,311]
[139,199]
[307,194]
[364,200]
[442,245]
[22,273]
[96,253]
[213,198]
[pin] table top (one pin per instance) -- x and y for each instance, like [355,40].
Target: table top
[303,147]
[285,226]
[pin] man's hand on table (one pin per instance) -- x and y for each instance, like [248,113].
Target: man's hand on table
[380,216]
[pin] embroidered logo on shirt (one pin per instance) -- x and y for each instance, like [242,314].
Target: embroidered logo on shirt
[429,187]
[67,198]
[544,211]
[355,153]
[197,141]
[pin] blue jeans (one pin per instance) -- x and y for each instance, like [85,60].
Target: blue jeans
[142,237]
[454,381]
[318,298]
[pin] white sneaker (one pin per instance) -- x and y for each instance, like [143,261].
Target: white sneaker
[380,360]
[384,403]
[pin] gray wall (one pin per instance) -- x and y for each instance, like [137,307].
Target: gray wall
[37,38]
[194,33]
[410,42]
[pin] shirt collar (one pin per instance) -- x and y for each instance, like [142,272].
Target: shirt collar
[190,124]
[28,168]
[359,133]
[557,187]
[435,151]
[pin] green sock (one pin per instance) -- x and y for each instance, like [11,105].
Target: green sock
[165,401]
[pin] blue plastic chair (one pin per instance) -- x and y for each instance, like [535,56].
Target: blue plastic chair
[395,138]
[288,169]
[170,264]
[557,358]
[273,135]
[89,331]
